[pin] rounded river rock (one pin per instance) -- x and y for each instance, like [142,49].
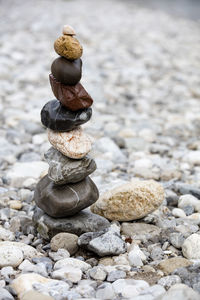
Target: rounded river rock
[58,118]
[65,200]
[83,221]
[68,47]
[73,97]
[66,71]
[63,169]
[130,201]
[74,144]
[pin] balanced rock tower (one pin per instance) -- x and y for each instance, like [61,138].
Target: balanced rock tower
[67,189]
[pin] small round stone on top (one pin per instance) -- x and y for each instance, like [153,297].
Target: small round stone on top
[68,30]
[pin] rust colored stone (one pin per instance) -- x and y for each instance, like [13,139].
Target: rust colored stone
[72,97]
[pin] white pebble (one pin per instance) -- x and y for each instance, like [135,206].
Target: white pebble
[10,256]
[72,262]
[191,247]
[68,272]
[189,200]
[178,212]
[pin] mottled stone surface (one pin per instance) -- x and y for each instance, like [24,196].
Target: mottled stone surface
[65,200]
[140,231]
[66,170]
[73,97]
[67,72]
[65,240]
[68,47]
[103,243]
[82,222]
[171,264]
[25,282]
[130,201]
[74,144]
[57,117]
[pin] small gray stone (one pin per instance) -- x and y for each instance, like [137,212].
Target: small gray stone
[108,242]
[168,281]
[157,253]
[63,169]
[116,274]
[140,231]
[189,275]
[66,241]
[166,223]
[98,273]
[179,292]
[92,261]
[85,290]
[6,272]
[43,261]
[60,254]
[154,290]
[171,198]
[84,221]
[27,267]
[188,209]
[105,291]
[56,289]
[184,188]
[177,239]
[5,295]
[105,144]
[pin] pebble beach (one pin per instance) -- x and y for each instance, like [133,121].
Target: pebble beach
[142,69]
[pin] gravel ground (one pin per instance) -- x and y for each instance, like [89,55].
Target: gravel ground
[142,68]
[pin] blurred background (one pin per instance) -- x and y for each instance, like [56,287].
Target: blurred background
[141,65]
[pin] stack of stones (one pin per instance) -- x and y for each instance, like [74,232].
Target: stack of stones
[67,189]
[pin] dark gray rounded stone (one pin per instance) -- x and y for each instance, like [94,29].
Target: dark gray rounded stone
[63,169]
[82,222]
[65,200]
[58,118]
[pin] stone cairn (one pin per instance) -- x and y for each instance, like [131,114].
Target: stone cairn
[67,189]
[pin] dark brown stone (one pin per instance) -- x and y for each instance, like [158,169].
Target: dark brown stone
[66,71]
[65,200]
[73,97]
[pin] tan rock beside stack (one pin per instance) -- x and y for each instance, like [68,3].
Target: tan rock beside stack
[130,201]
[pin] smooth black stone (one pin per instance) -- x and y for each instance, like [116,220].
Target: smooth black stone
[58,118]
[66,71]
[65,200]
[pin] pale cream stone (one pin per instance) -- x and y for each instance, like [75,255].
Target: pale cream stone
[28,251]
[74,144]
[130,201]
[15,204]
[24,283]
[67,29]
